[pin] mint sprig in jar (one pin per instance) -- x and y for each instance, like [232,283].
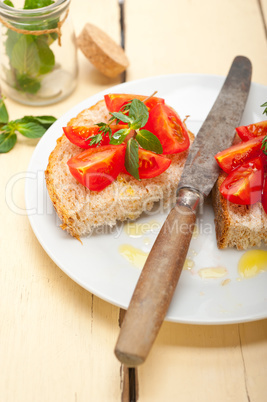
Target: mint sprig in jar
[38,51]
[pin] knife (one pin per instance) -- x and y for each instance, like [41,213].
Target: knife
[161,272]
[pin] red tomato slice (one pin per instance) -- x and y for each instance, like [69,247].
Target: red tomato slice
[96,168]
[165,124]
[252,130]
[232,157]
[244,184]
[80,135]
[264,195]
[151,164]
[114,102]
[264,161]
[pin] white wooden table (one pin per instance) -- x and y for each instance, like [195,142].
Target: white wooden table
[57,339]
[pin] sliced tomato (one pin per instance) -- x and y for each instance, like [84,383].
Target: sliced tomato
[151,164]
[244,184]
[252,130]
[264,161]
[264,195]
[232,157]
[80,135]
[96,168]
[115,127]
[114,102]
[165,124]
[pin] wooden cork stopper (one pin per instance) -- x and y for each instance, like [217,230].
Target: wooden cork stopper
[105,54]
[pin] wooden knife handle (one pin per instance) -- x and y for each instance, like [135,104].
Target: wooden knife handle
[157,282]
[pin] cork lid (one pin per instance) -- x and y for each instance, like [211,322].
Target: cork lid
[105,54]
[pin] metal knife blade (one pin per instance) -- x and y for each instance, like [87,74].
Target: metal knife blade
[217,132]
[161,272]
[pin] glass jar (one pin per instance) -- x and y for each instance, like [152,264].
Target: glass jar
[38,54]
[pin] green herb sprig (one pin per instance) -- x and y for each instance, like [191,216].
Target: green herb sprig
[28,126]
[264,141]
[265,110]
[264,145]
[30,56]
[135,115]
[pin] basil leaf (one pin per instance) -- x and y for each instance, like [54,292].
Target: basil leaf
[3,112]
[25,57]
[126,107]
[132,158]
[121,117]
[119,136]
[45,121]
[264,145]
[7,128]
[8,3]
[7,142]
[139,113]
[12,38]
[31,130]
[265,110]
[31,4]
[28,84]
[46,56]
[149,141]
[29,55]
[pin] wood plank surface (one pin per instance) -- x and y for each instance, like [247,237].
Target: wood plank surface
[57,339]
[263,12]
[194,36]
[197,363]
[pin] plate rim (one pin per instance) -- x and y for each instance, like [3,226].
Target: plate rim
[76,109]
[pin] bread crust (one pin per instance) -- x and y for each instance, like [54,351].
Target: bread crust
[82,210]
[240,226]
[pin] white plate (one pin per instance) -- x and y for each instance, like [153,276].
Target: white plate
[99,267]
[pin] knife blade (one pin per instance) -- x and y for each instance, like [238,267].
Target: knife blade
[159,277]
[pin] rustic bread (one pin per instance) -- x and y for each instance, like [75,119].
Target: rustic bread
[82,210]
[240,226]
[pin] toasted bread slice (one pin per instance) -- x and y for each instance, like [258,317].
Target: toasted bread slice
[240,226]
[82,210]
